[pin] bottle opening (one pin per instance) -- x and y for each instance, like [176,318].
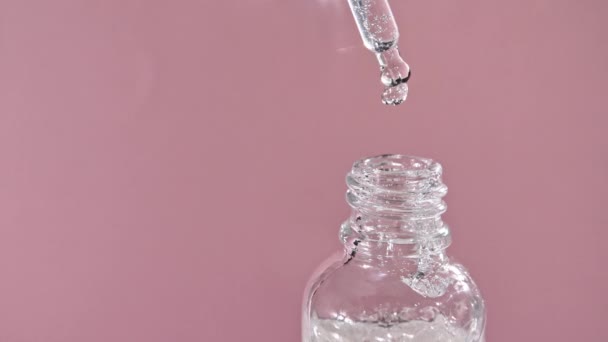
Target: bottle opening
[402,186]
[395,164]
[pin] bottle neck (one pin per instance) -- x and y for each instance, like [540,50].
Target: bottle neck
[396,206]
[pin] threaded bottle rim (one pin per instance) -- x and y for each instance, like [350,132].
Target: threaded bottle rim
[397,185]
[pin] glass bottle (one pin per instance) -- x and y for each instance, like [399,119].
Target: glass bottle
[393,281]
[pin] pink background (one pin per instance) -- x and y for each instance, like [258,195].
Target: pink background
[174,170]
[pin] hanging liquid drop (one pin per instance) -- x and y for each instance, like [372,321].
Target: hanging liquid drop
[394,70]
[395,95]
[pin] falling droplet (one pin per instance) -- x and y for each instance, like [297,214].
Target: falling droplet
[395,95]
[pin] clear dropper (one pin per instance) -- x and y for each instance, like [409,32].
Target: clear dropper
[380,35]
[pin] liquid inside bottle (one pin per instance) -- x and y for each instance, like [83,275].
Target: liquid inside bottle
[438,330]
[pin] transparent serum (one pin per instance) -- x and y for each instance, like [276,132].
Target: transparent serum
[393,282]
[380,34]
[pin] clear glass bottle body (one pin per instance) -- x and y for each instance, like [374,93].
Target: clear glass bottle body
[393,282]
